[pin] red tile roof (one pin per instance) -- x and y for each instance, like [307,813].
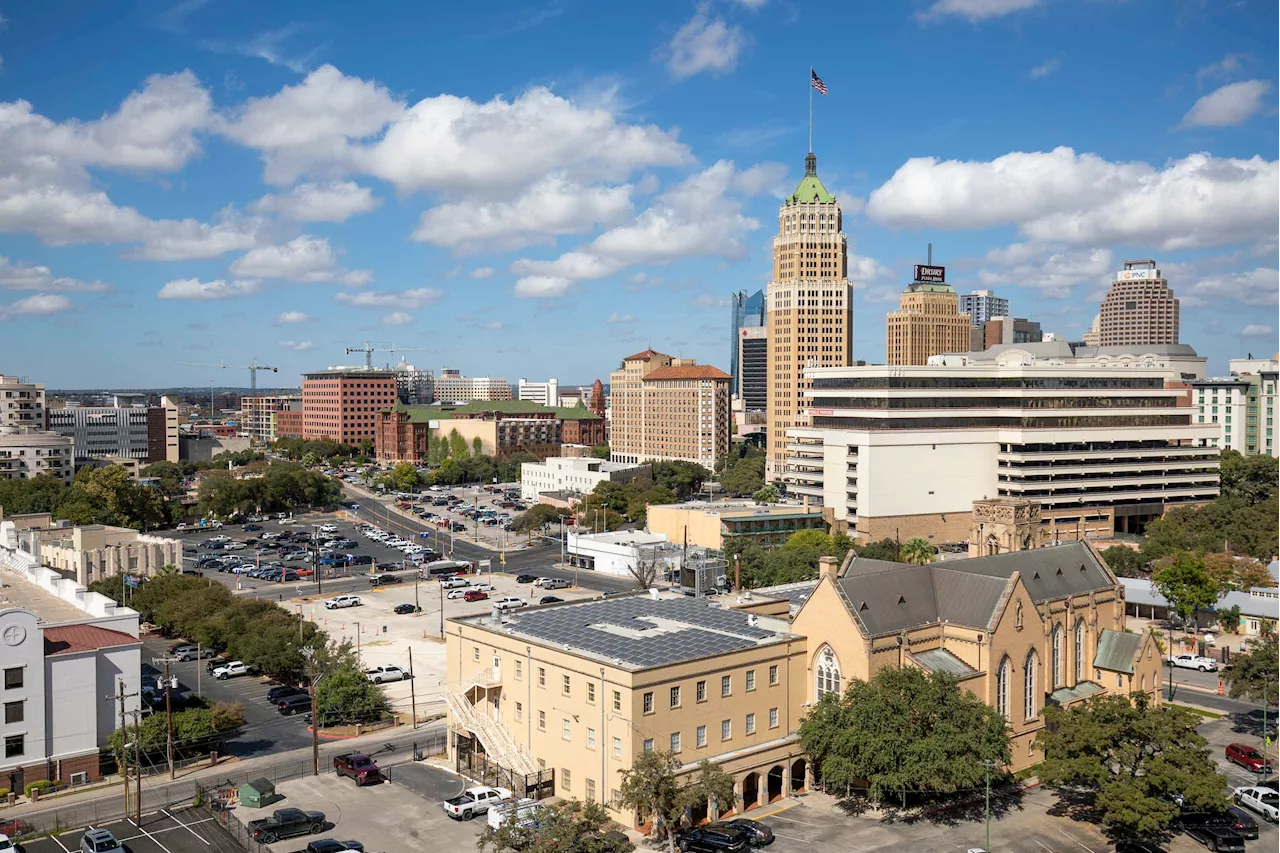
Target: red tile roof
[693,371]
[645,356]
[70,639]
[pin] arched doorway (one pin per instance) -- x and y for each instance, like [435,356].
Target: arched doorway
[698,814]
[773,784]
[751,791]
[798,768]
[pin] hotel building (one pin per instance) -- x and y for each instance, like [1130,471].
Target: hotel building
[666,408]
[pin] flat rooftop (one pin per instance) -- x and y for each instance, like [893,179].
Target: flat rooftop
[622,537]
[637,632]
[749,507]
[17,591]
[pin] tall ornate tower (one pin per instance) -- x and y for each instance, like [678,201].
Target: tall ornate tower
[1002,525]
[596,403]
[810,306]
[928,320]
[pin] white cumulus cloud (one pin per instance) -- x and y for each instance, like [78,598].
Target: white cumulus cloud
[1233,104]
[304,259]
[288,318]
[194,288]
[1256,330]
[414,298]
[974,10]
[333,201]
[705,43]
[18,276]
[37,305]
[298,346]
[615,317]
[541,287]
[397,318]
[483,272]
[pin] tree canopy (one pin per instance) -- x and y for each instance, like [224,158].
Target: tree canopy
[1131,759]
[1253,674]
[538,516]
[1252,479]
[282,486]
[1124,561]
[346,695]
[651,787]
[905,732]
[1186,585]
[682,478]
[918,550]
[631,499]
[571,826]
[98,495]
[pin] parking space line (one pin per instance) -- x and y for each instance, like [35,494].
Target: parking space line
[59,843]
[1074,841]
[153,838]
[791,820]
[1043,847]
[187,826]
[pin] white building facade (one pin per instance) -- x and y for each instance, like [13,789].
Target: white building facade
[905,451]
[618,553]
[102,431]
[25,454]
[574,475]
[545,393]
[22,403]
[452,387]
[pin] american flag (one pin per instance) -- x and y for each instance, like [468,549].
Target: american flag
[816,82]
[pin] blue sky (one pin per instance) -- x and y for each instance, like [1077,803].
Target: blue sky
[535,189]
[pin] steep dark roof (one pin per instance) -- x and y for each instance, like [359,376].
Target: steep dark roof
[1047,573]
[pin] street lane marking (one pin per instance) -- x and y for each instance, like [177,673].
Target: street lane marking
[1074,841]
[791,820]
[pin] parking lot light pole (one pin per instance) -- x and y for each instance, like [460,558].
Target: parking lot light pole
[987,765]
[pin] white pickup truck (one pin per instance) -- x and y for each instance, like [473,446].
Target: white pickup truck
[1263,801]
[1193,662]
[379,674]
[474,801]
[340,601]
[231,669]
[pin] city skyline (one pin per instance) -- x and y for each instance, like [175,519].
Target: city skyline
[288,181]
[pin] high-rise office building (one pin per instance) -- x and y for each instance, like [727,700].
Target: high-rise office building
[1139,309]
[752,386]
[453,387]
[547,393]
[668,408]
[1242,405]
[747,312]
[928,320]
[342,403]
[148,434]
[982,305]
[809,307]
[415,387]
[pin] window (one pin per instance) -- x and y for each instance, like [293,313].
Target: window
[1119,680]
[1029,686]
[542,676]
[1079,667]
[13,678]
[751,680]
[675,741]
[14,712]
[702,736]
[566,732]
[564,685]
[542,721]
[828,673]
[617,747]
[519,711]
[773,675]
[590,786]
[1002,689]
[773,718]
[751,724]
[726,685]
[475,653]
[648,744]
[564,778]
[591,738]
[591,693]
[1056,663]
[702,691]
[726,729]
[15,745]
[648,702]
[519,670]
[617,700]
[675,697]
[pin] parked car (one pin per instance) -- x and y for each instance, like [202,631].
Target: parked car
[1216,837]
[297,703]
[286,823]
[283,691]
[235,546]
[251,528]
[550,599]
[713,839]
[358,766]
[232,669]
[1248,757]
[1193,662]
[526,578]
[474,801]
[510,602]
[554,583]
[99,841]
[340,601]
[330,845]
[379,580]
[213,664]
[380,674]
[760,833]
[455,594]
[178,649]
[196,654]
[402,609]
[454,583]
[1259,800]
[472,595]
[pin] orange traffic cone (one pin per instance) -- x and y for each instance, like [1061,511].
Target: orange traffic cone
[1220,693]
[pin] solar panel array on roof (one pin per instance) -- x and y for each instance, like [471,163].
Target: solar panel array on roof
[580,627]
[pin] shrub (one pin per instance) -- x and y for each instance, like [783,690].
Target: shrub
[41,786]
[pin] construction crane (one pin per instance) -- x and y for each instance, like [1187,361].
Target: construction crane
[370,350]
[253,367]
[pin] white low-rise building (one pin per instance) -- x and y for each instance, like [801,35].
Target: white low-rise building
[574,475]
[64,655]
[91,552]
[619,553]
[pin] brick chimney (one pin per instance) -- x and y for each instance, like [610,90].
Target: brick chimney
[828,567]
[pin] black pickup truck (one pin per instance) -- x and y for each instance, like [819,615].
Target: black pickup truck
[286,823]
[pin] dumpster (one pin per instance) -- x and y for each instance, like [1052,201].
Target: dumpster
[257,793]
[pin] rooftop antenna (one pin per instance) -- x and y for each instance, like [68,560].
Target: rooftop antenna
[930,261]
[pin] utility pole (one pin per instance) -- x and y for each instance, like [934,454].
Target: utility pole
[413,693]
[440,589]
[124,764]
[137,768]
[309,653]
[417,608]
[168,714]
[987,765]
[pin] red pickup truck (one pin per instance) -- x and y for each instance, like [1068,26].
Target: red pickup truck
[358,766]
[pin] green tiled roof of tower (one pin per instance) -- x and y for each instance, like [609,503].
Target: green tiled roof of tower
[810,189]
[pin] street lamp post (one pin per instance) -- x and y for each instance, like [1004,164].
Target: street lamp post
[987,765]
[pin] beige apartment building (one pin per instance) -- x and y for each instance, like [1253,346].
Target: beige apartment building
[718,525]
[1140,309]
[582,688]
[928,322]
[810,305]
[666,408]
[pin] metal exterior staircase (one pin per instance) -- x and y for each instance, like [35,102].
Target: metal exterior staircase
[492,733]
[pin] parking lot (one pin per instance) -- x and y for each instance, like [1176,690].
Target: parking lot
[453,525]
[188,830]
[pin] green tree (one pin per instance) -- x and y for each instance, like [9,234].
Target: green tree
[39,494]
[1252,479]
[743,476]
[571,826]
[711,786]
[1228,523]
[1125,562]
[600,451]
[651,788]
[1131,759]
[170,475]
[918,551]
[1229,618]
[1186,585]
[886,549]
[366,446]
[1253,674]
[682,478]
[403,477]
[310,460]
[537,517]
[904,732]
[457,445]
[347,696]
[477,446]
[766,495]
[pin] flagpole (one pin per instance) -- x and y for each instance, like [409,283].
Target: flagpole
[810,81]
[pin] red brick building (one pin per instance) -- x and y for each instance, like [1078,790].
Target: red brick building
[502,427]
[580,425]
[289,423]
[342,404]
